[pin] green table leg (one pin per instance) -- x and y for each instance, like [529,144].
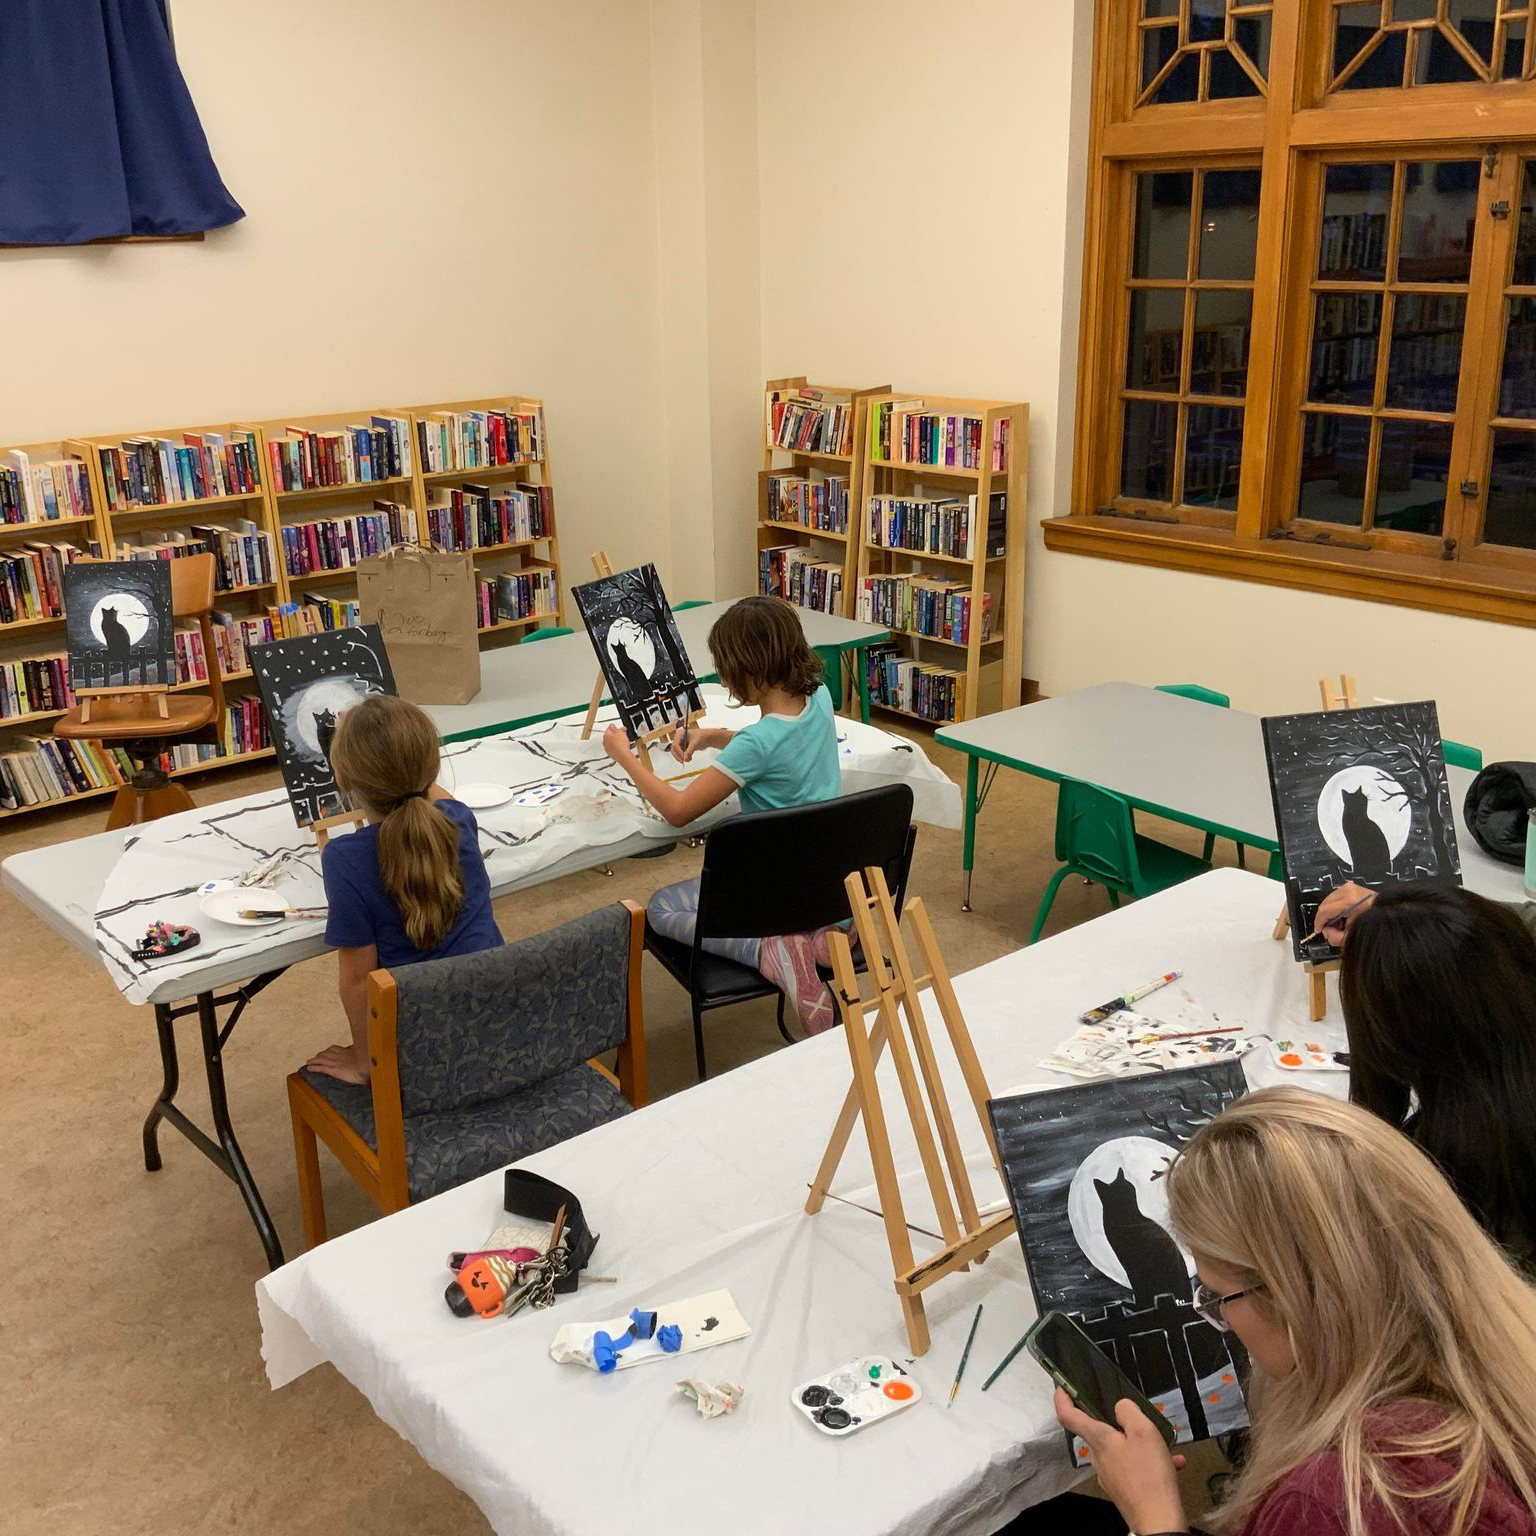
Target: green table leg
[831,672]
[968,836]
[861,664]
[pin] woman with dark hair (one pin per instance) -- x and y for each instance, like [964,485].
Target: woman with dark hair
[1439,993]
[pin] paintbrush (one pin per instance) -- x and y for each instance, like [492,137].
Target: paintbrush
[965,1355]
[1340,920]
[254,913]
[1103,1011]
[1004,1363]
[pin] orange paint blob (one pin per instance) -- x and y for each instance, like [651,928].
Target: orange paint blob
[1227,1377]
[1290,1059]
[899,1391]
[1215,1397]
[1082,1453]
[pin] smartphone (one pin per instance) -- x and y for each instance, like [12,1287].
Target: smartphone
[1092,1380]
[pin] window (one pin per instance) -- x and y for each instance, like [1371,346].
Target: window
[1309,324]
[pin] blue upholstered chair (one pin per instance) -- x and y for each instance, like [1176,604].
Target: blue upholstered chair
[479,1060]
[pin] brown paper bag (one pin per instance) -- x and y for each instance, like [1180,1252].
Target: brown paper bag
[423,600]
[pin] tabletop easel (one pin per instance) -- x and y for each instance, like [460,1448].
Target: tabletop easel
[898,1022]
[322,826]
[603,566]
[1342,697]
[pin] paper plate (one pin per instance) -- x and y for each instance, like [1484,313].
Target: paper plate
[482,797]
[225,905]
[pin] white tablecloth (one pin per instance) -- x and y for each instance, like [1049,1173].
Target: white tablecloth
[163,866]
[706,1190]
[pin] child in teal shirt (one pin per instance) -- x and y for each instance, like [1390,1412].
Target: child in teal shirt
[787,757]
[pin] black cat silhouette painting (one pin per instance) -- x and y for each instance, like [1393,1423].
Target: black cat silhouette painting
[1086,1170]
[307,684]
[644,662]
[118,624]
[1361,795]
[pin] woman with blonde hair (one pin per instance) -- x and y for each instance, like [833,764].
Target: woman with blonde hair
[1393,1344]
[410,884]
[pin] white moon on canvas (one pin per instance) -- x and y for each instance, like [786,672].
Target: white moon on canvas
[329,693]
[1394,816]
[131,614]
[1145,1162]
[636,642]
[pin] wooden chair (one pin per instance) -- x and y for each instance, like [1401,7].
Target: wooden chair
[479,1060]
[145,724]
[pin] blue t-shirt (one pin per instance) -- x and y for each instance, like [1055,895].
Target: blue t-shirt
[779,761]
[362,912]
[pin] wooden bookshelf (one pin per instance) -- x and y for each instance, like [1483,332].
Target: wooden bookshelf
[990,670]
[830,546]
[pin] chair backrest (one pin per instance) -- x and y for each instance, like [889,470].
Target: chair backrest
[1459,755]
[192,587]
[1198,692]
[473,1028]
[554,631]
[783,871]
[1095,834]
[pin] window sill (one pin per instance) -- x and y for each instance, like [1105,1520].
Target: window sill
[1476,591]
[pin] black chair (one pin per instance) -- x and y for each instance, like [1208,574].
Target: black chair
[783,872]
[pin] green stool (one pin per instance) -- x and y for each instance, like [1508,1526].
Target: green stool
[1096,838]
[1459,755]
[693,602]
[546,634]
[1203,695]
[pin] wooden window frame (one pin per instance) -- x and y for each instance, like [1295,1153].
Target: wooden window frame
[1290,132]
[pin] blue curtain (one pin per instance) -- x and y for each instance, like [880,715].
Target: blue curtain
[98,134]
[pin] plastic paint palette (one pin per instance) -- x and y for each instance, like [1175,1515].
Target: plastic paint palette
[1304,1056]
[857,1394]
[542,795]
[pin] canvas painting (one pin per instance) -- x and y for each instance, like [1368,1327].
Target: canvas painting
[648,673]
[118,623]
[1360,794]
[1084,1169]
[307,684]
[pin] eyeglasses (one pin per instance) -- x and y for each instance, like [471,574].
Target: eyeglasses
[1208,1304]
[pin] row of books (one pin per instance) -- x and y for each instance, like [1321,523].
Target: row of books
[242,552]
[792,572]
[936,525]
[520,595]
[1352,242]
[901,431]
[32,581]
[41,770]
[338,543]
[471,517]
[42,493]
[479,439]
[152,471]
[304,459]
[818,502]
[916,687]
[809,421]
[938,606]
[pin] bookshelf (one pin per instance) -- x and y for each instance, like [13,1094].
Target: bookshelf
[152,488]
[808,492]
[941,552]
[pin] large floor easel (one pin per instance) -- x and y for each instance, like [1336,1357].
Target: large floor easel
[1342,697]
[898,1022]
[603,566]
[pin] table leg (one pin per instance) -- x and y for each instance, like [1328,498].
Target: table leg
[968,836]
[225,1153]
[861,664]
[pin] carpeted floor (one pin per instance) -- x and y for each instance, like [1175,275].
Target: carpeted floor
[129,1349]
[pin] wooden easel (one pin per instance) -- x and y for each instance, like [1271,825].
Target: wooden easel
[1342,697]
[899,1023]
[603,566]
[156,691]
[322,827]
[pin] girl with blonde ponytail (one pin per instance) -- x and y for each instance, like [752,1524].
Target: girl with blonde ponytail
[1393,1344]
[410,884]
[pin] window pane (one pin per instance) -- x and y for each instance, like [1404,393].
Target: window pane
[1410,485]
[1158,45]
[1425,363]
[1228,78]
[1439,212]
[1251,34]
[1183,83]
[1162,224]
[1525,243]
[1514,49]
[1218,362]
[1439,62]
[1356,202]
[1474,19]
[1346,327]
[1517,383]
[1147,450]
[1511,513]
[1355,26]
[1229,224]
[1151,8]
[1383,70]
[1413,10]
[1213,452]
[1156,342]
[1207,20]
[1334,451]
